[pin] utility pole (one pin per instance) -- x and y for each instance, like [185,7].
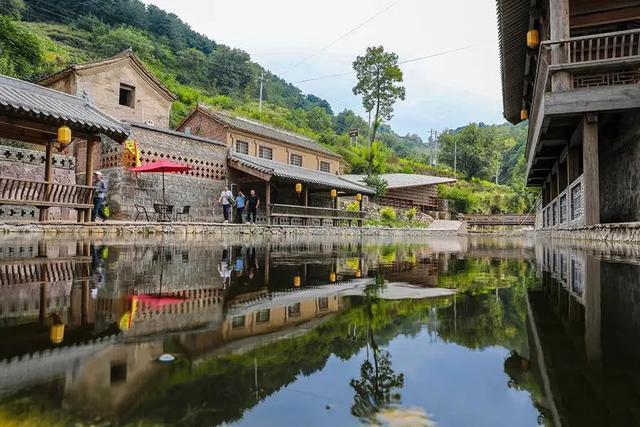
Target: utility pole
[455,157]
[261,84]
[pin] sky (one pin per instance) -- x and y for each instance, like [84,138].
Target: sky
[295,40]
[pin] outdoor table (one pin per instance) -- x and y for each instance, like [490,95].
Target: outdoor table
[166,212]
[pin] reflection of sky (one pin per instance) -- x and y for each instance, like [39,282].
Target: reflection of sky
[455,386]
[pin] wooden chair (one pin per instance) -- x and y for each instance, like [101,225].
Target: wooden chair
[186,211]
[141,210]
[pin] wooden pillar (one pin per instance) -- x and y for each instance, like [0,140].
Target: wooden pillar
[592,309]
[89,173]
[560,29]
[591,174]
[267,201]
[48,177]
[305,221]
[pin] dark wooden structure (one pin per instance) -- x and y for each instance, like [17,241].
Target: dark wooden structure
[32,113]
[578,87]
[475,220]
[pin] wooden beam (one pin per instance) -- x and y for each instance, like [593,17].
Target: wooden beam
[48,176]
[234,164]
[559,29]
[591,173]
[605,98]
[89,172]
[43,126]
[267,200]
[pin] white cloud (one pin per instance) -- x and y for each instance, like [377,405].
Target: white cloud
[442,92]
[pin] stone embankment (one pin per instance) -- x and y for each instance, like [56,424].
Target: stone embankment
[619,232]
[152,228]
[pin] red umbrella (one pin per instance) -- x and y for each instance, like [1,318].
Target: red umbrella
[161,166]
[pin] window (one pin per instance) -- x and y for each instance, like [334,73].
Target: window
[294,310]
[265,153]
[263,316]
[295,159]
[237,322]
[242,147]
[127,95]
[323,304]
[325,167]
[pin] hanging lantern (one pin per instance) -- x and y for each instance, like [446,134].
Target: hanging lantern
[533,38]
[524,114]
[296,281]
[332,277]
[358,274]
[359,197]
[64,135]
[334,193]
[56,333]
[298,188]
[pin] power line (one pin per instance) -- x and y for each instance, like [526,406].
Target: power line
[421,58]
[348,33]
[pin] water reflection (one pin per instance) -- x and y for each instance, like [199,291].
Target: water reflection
[266,332]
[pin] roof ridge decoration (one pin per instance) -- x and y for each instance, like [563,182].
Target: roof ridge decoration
[126,54]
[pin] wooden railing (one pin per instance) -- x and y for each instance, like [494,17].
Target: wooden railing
[42,194]
[600,48]
[476,220]
[309,212]
[567,209]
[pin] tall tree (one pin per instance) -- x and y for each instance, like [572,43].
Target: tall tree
[379,79]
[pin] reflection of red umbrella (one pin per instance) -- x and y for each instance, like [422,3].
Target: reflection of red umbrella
[157,301]
[161,166]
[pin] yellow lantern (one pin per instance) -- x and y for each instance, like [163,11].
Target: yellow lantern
[359,197]
[334,193]
[298,188]
[524,114]
[296,281]
[64,135]
[533,38]
[332,277]
[56,333]
[358,274]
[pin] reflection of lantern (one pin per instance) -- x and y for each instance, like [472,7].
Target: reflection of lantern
[533,38]
[524,114]
[296,281]
[56,333]
[64,135]
[298,188]
[332,277]
[358,274]
[359,197]
[334,193]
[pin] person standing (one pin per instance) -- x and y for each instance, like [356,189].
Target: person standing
[226,198]
[240,203]
[253,203]
[99,196]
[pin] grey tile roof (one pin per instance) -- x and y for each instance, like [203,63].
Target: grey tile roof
[270,132]
[296,173]
[399,180]
[17,96]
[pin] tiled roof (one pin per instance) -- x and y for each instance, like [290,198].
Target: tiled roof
[513,23]
[267,131]
[126,55]
[399,180]
[29,99]
[296,173]
[176,133]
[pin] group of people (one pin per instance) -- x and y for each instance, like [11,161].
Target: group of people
[242,203]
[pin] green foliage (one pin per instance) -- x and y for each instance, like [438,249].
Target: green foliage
[121,38]
[410,214]
[12,8]
[20,51]
[379,79]
[378,183]
[388,214]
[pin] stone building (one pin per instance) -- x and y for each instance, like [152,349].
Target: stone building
[123,87]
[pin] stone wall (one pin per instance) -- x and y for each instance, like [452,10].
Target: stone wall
[619,152]
[198,188]
[29,164]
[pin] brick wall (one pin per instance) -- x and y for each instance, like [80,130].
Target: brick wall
[199,188]
[29,164]
[200,125]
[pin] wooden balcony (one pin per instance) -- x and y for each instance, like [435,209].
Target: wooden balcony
[576,76]
[44,195]
[308,215]
[567,209]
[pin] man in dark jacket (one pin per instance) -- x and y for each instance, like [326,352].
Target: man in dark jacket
[253,203]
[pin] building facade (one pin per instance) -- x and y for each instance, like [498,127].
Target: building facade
[570,67]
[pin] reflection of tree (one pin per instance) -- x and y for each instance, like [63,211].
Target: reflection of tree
[373,390]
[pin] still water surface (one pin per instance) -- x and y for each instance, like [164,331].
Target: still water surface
[447,332]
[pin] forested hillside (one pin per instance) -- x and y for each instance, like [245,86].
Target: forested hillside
[39,37]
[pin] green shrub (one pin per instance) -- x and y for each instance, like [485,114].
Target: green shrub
[411,214]
[388,214]
[353,206]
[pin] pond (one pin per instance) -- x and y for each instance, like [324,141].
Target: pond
[447,332]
